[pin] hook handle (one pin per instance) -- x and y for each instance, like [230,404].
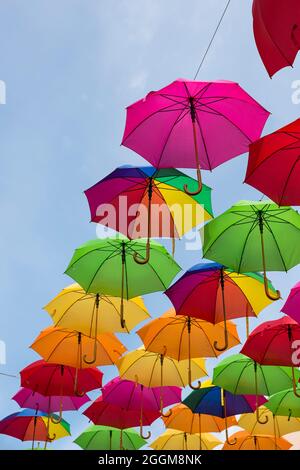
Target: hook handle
[138,259]
[258,418]
[94,358]
[50,438]
[147,436]
[59,420]
[199,188]
[263,257]
[167,414]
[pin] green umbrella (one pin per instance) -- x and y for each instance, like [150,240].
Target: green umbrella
[107,266]
[108,438]
[254,236]
[241,375]
[285,403]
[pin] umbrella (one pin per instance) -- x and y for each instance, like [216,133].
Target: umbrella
[191,124]
[109,438]
[108,267]
[292,304]
[241,375]
[131,395]
[255,236]
[158,370]
[211,292]
[276,31]
[75,309]
[246,441]
[177,440]
[30,425]
[101,412]
[213,400]
[272,343]
[276,425]
[273,165]
[148,194]
[285,403]
[184,337]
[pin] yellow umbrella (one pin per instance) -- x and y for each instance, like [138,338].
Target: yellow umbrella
[158,370]
[184,337]
[245,441]
[177,440]
[276,425]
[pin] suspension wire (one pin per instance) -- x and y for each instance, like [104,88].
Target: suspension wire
[212,39]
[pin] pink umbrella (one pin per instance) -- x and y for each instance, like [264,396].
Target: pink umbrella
[191,124]
[292,304]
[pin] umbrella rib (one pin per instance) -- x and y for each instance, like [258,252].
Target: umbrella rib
[204,141]
[180,340]
[207,337]
[288,178]
[112,255]
[280,401]
[254,225]
[277,245]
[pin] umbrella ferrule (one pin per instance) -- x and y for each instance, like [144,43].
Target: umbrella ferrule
[192,108]
[123,253]
[79,338]
[260,221]
[222,280]
[150,188]
[189,324]
[97,300]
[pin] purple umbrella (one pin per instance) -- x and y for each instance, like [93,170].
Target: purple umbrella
[292,305]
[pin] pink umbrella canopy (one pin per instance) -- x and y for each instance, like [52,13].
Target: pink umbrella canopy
[292,304]
[192,124]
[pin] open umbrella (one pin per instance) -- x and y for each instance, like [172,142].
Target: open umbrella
[273,165]
[191,124]
[183,337]
[109,438]
[108,267]
[254,236]
[214,293]
[272,343]
[158,370]
[172,439]
[150,195]
[292,304]
[277,425]
[246,441]
[285,403]
[276,26]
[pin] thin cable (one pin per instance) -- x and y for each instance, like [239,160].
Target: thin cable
[8,375]
[212,39]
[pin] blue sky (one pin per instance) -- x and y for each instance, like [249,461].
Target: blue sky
[70,68]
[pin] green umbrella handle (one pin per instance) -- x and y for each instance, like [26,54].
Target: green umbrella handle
[59,420]
[145,260]
[122,320]
[93,360]
[199,179]
[223,348]
[193,387]
[263,257]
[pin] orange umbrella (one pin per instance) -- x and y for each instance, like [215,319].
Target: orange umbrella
[246,441]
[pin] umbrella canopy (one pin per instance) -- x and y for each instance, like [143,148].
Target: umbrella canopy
[273,165]
[245,441]
[276,425]
[214,293]
[285,403]
[177,440]
[254,236]
[109,438]
[292,304]
[75,309]
[276,31]
[191,124]
[148,193]
[108,267]
[272,343]
[182,337]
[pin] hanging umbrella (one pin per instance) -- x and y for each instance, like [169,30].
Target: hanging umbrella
[211,292]
[272,343]
[276,27]
[292,304]
[30,425]
[285,403]
[158,370]
[276,425]
[273,165]
[190,124]
[245,441]
[108,267]
[101,412]
[241,375]
[213,400]
[255,236]
[108,438]
[75,309]
[177,440]
[183,337]
[148,194]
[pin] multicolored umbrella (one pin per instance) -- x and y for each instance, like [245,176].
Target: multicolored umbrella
[285,403]
[108,267]
[183,337]
[292,304]
[273,165]
[255,236]
[276,425]
[148,194]
[276,28]
[211,292]
[177,440]
[246,441]
[272,343]
[190,124]
[109,438]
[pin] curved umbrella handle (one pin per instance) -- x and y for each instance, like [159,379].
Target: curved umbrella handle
[230,443]
[122,320]
[59,420]
[258,418]
[147,436]
[50,438]
[138,259]
[93,359]
[294,384]
[263,257]
[167,414]
[193,387]
[269,294]
[226,344]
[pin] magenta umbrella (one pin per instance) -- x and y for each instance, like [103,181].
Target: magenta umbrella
[292,304]
[191,124]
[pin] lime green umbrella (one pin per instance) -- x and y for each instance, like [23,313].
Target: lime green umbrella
[285,403]
[107,266]
[108,438]
[254,236]
[241,375]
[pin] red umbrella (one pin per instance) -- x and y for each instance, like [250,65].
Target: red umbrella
[274,165]
[276,26]
[272,344]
